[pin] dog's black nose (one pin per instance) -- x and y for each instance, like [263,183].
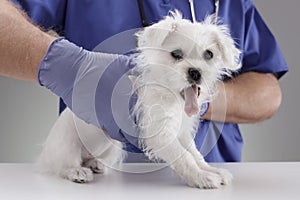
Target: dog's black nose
[194,74]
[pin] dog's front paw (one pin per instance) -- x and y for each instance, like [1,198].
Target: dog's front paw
[205,180]
[225,175]
[78,175]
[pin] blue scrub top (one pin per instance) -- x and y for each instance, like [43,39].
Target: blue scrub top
[87,23]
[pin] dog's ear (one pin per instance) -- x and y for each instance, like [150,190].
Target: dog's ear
[230,54]
[155,35]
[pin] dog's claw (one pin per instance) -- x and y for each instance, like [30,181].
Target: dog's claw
[79,181]
[226,176]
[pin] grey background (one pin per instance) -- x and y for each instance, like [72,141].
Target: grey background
[28,111]
[278,139]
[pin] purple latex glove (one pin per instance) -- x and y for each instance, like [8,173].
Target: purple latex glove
[94,85]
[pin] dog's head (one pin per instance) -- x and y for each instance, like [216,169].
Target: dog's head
[182,54]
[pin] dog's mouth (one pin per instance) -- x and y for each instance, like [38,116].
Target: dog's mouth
[190,95]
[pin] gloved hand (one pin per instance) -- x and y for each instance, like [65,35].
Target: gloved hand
[94,85]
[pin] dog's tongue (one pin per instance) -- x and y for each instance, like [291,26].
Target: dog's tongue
[190,95]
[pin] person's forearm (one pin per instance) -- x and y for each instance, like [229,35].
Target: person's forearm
[22,45]
[248,98]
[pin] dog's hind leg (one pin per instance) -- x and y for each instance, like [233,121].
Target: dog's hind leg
[95,165]
[114,155]
[109,157]
[62,151]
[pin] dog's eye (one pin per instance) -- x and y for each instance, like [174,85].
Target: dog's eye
[177,54]
[207,55]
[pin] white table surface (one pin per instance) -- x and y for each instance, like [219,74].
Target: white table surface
[251,181]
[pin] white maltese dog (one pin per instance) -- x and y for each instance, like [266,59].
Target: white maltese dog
[178,66]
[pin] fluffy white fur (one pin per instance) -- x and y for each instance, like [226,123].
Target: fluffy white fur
[166,131]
